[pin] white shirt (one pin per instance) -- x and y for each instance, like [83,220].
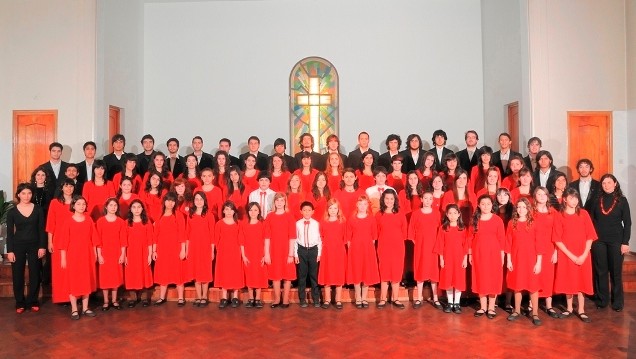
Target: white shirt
[584,189]
[264,199]
[307,235]
[89,171]
[504,156]
[56,168]
[376,191]
[415,156]
[440,151]
[543,177]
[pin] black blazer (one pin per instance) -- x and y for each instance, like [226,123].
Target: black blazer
[261,161]
[179,166]
[410,165]
[592,197]
[355,157]
[385,161]
[234,161]
[496,160]
[317,161]
[549,183]
[438,161]
[143,162]
[113,165]
[527,162]
[206,161]
[82,176]
[464,160]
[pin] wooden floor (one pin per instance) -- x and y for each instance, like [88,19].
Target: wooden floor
[170,331]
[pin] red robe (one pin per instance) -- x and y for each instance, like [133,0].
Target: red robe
[193,182]
[168,236]
[251,183]
[487,245]
[152,204]
[466,205]
[320,207]
[398,184]
[477,184]
[215,201]
[362,264]
[137,184]
[137,273]
[110,237]
[408,206]
[515,195]
[200,234]
[523,246]
[240,201]
[333,261]
[453,245]
[333,182]
[423,232]
[348,201]
[392,232]
[280,229]
[124,205]
[78,240]
[167,179]
[279,184]
[364,181]
[306,180]
[255,271]
[544,223]
[57,216]
[96,197]
[229,263]
[293,204]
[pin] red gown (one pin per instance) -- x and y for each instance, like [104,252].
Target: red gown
[111,237]
[364,181]
[229,263]
[515,195]
[333,261]
[423,232]
[487,245]
[510,183]
[426,180]
[280,229]
[392,232]
[279,183]
[167,179]
[293,204]
[333,182]
[437,204]
[320,207]
[200,234]
[348,201]
[124,205]
[240,201]
[306,180]
[466,206]
[96,197]
[255,272]
[398,184]
[137,273]
[453,245]
[168,236]
[485,191]
[78,240]
[137,184]
[474,174]
[408,206]
[193,182]
[523,246]
[58,214]
[362,263]
[215,201]
[251,183]
[153,204]
[573,230]
[544,223]
[221,182]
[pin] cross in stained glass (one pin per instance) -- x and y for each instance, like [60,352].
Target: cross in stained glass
[314,100]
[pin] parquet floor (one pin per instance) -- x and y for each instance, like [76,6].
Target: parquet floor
[173,332]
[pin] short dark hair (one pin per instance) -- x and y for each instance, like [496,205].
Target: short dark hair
[306,204]
[254,138]
[393,137]
[535,139]
[118,137]
[147,137]
[72,165]
[280,141]
[439,133]
[505,134]
[306,134]
[89,143]
[586,161]
[470,131]
[225,140]
[263,174]
[56,144]
[545,153]
[172,139]
[197,138]
[22,187]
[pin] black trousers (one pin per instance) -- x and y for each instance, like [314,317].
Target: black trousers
[607,259]
[308,267]
[22,254]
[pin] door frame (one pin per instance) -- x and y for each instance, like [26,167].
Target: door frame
[16,114]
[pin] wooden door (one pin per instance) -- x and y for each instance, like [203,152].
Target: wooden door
[590,136]
[513,124]
[33,132]
[114,124]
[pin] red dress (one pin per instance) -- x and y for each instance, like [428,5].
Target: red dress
[320,207]
[364,181]
[200,234]
[124,205]
[466,205]
[168,236]
[251,183]
[426,180]
[137,273]
[167,179]
[437,204]
[453,245]
[153,204]
[215,201]
[423,232]
[348,201]
[573,230]
[221,182]
[280,229]
[523,246]
[57,216]
[279,183]
[193,182]
[362,263]
[240,201]
[77,239]
[96,197]
[515,195]
[408,206]
[137,184]
[333,261]
[487,245]
[398,184]
[306,180]
[510,183]
[485,191]
[544,223]
[255,272]
[229,263]
[293,204]
[474,179]
[111,237]
[392,232]
[333,182]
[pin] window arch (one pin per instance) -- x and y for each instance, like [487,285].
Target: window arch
[313,102]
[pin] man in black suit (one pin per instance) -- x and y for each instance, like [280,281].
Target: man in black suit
[546,171]
[589,189]
[413,154]
[280,145]
[113,160]
[306,143]
[55,167]
[355,156]
[439,149]
[253,145]
[502,157]
[85,168]
[393,143]
[225,145]
[469,156]
[143,158]
[205,160]
[534,146]
[333,146]
[175,163]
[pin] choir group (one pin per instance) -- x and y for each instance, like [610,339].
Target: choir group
[481,221]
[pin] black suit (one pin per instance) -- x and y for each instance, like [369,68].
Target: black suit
[82,175]
[234,161]
[496,160]
[51,174]
[385,161]
[528,163]
[595,191]
[316,160]
[143,162]
[206,161]
[114,165]
[179,166]
[409,164]
[261,161]
[464,160]
[355,157]
[439,166]
[536,181]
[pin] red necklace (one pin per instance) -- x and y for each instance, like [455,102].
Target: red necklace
[606,212]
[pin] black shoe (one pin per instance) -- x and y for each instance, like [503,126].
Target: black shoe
[284,306]
[116,306]
[275,305]
[317,304]
[235,302]
[223,303]
[398,304]
[181,302]
[449,308]
[250,303]
[159,302]
[417,304]
[132,303]
[457,309]
[339,305]
[145,303]
[535,320]
[617,309]
[381,304]
[258,304]
[105,307]
[303,304]
[89,313]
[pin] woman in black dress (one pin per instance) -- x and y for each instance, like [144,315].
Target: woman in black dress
[613,223]
[26,240]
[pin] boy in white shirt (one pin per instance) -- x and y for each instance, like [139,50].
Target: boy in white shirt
[263,195]
[307,250]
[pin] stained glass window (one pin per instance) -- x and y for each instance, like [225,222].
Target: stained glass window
[313,102]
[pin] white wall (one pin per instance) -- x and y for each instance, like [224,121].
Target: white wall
[47,62]
[209,66]
[630,187]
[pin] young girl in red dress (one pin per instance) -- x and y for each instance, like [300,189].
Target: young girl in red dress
[229,241]
[158,165]
[392,232]
[56,217]
[191,172]
[525,186]
[461,195]
[439,190]
[423,228]
[200,239]
[524,256]
[77,252]
[452,247]
[137,272]
[97,191]
[237,191]
[130,171]
[254,255]
[152,194]
[320,194]
[348,193]
[362,264]
[306,174]
[280,234]
[364,174]
[450,169]
[333,261]
[222,165]
[491,183]
[213,193]
[486,255]
[280,174]
[169,250]
[544,222]
[515,164]
[125,196]
[397,179]
[411,196]
[181,187]
[335,169]
[573,235]
[250,174]
[428,169]
[110,231]
[504,209]
[295,195]
[479,173]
